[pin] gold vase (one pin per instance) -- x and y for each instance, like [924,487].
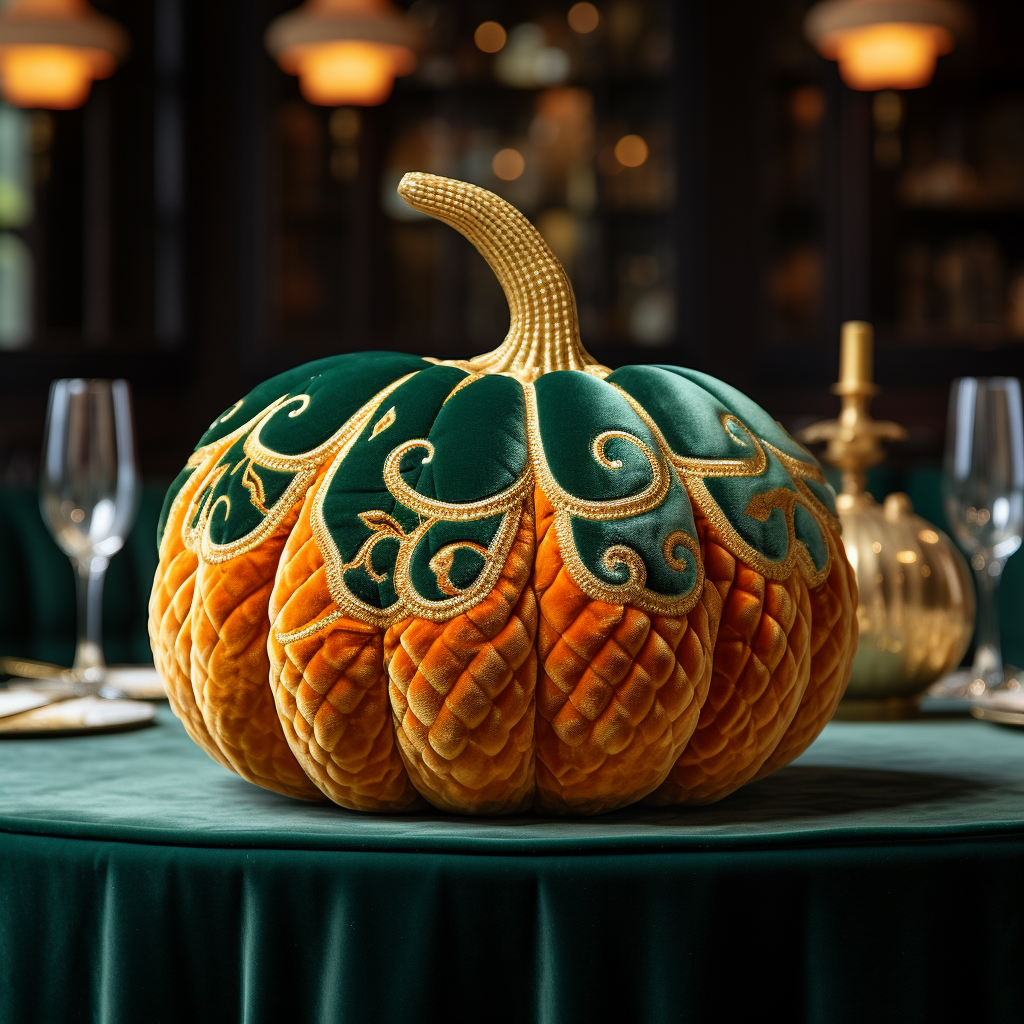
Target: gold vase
[916,609]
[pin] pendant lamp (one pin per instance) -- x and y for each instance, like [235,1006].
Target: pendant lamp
[885,44]
[51,50]
[345,52]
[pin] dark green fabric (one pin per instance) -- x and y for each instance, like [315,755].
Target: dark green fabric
[573,409]
[478,434]
[357,486]
[877,879]
[320,403]
[688,408]
[37,595]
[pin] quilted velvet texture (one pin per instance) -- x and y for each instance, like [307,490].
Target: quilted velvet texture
[491,669]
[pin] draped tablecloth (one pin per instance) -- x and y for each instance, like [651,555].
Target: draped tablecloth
[880,877]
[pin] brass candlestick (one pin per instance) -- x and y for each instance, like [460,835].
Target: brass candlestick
[916,610]
[854,440]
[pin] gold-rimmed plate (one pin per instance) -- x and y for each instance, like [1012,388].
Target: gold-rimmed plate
[76,716]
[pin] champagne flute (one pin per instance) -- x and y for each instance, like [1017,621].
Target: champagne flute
[88,495]
[983,494]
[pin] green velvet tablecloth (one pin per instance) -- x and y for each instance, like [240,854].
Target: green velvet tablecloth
[879,878]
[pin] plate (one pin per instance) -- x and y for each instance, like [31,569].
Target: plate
[1002,715]
[139,682]
[80,715]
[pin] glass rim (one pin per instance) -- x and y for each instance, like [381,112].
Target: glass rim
[1000,379]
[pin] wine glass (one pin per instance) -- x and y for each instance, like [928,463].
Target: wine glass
[983,494]
[88,494]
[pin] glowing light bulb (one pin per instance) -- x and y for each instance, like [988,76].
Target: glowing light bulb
[345,52]
[55,77]
[350,72]
[881,44]
[51,50]
[891,55]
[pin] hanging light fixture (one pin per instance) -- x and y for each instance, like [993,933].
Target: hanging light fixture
[51,50]
[345,52]
[885,44]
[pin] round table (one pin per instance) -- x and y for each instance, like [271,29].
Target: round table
[877,878]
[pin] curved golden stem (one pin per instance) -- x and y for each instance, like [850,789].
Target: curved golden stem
[544,332]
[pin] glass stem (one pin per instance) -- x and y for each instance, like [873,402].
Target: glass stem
[988,655]
[89,665]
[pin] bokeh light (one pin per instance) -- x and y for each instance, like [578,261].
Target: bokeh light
[583,18]
[631,151]
[489,37]
[508,164]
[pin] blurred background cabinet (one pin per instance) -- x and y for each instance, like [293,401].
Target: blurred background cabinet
[720,198]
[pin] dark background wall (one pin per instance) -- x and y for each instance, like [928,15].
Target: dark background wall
[191,235]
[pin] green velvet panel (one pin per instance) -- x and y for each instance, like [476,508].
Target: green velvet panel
[874,880]
[573,410]
[645,534]
[324,396]
[357,486]
[690,409]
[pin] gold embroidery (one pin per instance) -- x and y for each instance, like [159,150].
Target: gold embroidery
[507,503]
[383,527]
[304,466]
[383,423]
[303,401]
[762,505]
[634,590]
[470,378]
[695,471]
[612,508]
[494,562]
[450,510]
[441,565]
[254,485]
[231,412]
[677,538]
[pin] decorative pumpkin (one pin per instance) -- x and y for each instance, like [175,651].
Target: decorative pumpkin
[521,580]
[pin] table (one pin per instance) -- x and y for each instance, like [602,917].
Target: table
[878,878]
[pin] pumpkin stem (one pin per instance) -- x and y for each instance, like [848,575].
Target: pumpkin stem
[544,331]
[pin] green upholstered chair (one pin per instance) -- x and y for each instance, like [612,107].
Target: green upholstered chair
[37,587]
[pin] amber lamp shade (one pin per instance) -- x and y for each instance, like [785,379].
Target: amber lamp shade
[345,52]
[51,51]
[885,44]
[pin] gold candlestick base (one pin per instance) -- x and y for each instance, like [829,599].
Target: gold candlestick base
[916,610]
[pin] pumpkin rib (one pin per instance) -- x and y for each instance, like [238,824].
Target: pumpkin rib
[618,690]
[833,644]
[230,666]
[462,694]
[331,688]
[761,671]
[170,607]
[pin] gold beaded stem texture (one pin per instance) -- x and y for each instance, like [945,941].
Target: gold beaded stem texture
[544,331]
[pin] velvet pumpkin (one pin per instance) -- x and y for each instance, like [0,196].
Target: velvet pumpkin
[521,580]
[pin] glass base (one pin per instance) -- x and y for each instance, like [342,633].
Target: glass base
[966,685]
